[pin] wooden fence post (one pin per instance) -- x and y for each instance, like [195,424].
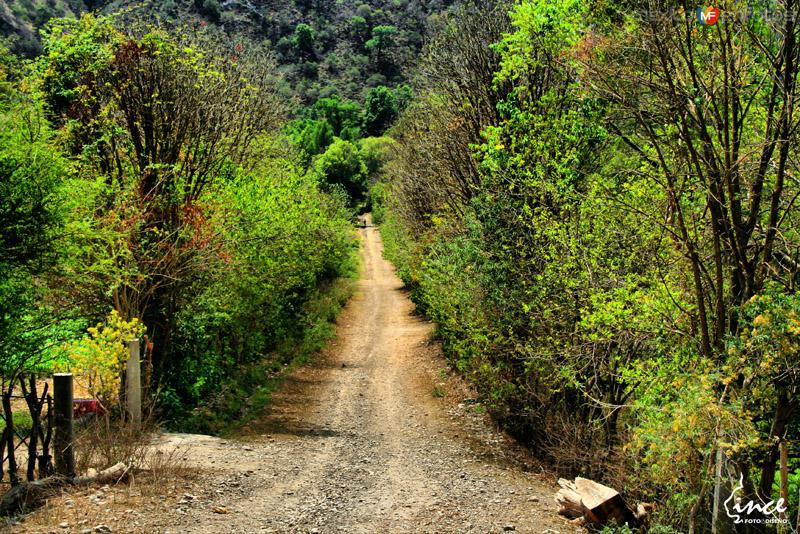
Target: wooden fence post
[133,383]
[63,439]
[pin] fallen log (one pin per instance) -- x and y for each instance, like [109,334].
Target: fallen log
[597,504]
[112,475]
[31,495]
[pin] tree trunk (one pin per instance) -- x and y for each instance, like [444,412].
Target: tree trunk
[9,434]
[35,410]
[784,409]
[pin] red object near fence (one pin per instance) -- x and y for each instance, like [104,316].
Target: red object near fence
[81,407]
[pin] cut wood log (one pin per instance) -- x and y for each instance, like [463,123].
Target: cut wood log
[597,503]
[30,495]
[569,500]
[567,484]
[570,503]
[604,504]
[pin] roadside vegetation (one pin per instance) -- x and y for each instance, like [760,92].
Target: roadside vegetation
[148,189]
[597,204]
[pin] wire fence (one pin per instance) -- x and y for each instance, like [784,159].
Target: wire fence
[27,429]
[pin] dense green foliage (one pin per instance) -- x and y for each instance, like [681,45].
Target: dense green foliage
[323,48]
[31,220]
[144,173]
[599,213]
[598,208]
[341,66]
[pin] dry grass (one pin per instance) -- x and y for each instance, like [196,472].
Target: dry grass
[157,475]
[104,442]
[147,495]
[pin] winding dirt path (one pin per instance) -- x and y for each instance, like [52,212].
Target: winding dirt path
[356,442]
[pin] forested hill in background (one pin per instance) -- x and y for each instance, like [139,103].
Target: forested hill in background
[323,47]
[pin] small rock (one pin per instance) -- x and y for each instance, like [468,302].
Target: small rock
[63,525]
[248,449]
[103,529]
[533,498]
[509,528]
[220,510]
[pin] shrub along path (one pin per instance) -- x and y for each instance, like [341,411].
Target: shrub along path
[358,442]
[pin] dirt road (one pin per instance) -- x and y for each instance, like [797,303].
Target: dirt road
[358,443]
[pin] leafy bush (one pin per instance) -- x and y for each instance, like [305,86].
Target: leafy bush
[98,359]
[32,173]
[183,214]
[342,165]
[283,242]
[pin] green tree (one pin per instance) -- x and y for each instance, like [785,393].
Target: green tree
[8,71]
[376,153]
[209,8]
[310,136]
[380,110]
[344,116]
[341,166]
[161,121]
[383,39]
[359,28]
[303,40]
[32,172]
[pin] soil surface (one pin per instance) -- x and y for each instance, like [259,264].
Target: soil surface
[374,436]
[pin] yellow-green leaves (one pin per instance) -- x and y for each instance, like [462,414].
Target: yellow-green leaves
[98,359]
[544,31]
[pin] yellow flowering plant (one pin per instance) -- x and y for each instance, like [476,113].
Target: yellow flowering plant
[766,353]
[728,403]
[98,359]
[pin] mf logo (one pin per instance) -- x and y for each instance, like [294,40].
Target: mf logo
[708,15]
[739,511]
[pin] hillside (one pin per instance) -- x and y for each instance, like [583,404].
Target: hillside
[322,48]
